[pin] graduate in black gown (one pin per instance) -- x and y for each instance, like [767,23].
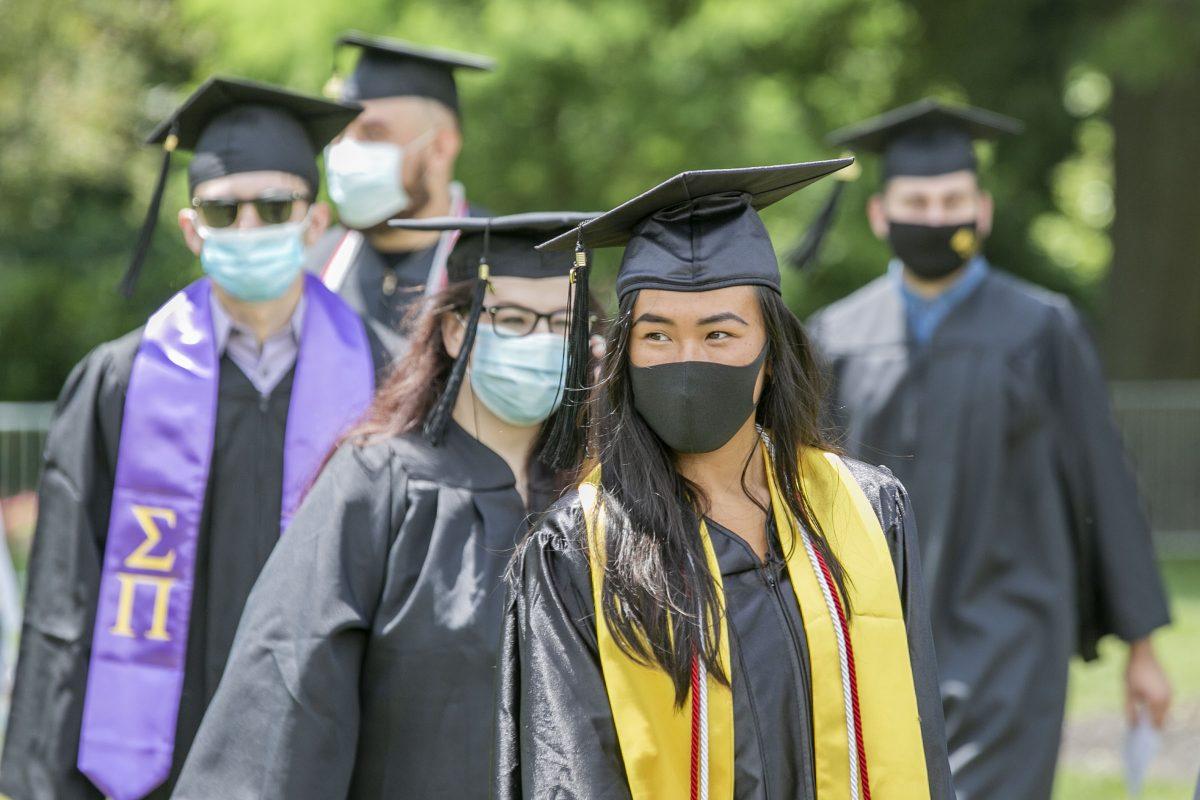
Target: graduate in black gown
[611,685]
[365,663]
[985,396]
[228,383]
[396,160]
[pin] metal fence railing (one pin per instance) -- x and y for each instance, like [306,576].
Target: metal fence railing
[22,435]
[1160,421]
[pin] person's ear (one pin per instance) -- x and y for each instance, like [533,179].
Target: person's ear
[452,333]
[318,223]
[983,220]
[443,150]
[191,236]
[877,216]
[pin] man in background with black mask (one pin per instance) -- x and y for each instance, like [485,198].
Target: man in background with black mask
[396,160]
[985,396]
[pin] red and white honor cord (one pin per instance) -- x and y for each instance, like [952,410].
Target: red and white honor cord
[700,722]
[860,787]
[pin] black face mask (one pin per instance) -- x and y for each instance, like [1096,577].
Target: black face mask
[695,406]
[931,251]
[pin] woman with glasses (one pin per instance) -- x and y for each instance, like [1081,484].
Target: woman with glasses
[365,662]
[177,455]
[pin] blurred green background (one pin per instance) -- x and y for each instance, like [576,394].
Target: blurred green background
[595,101]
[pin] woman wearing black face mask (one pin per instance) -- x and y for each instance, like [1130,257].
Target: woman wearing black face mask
[726,608]
[364,666]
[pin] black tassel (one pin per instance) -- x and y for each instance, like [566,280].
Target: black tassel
[567,439]
[806,252]
[147,234]
[439,416]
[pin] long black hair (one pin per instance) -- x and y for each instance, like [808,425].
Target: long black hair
[659,594]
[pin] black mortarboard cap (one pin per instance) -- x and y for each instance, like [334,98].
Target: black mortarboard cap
[506,243]
[392,68]
[489,247]
[697,231]
[925,138]
[233,126]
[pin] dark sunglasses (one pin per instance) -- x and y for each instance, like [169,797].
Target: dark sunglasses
[272,209]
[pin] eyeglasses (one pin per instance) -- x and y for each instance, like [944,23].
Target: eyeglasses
[272,209]
[513,322]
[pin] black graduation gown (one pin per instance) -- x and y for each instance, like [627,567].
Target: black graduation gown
[1032,536]
[363,285]
[239,527]
[365,664]
[555,736]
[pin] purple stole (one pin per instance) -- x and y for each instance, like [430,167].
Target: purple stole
[139,644]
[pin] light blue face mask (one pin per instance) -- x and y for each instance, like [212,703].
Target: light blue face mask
[254,264]
[518,379]
[364,179]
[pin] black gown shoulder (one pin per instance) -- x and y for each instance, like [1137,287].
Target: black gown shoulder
[556,548]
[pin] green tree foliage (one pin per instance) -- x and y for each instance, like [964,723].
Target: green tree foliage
[77,93]
[593,101]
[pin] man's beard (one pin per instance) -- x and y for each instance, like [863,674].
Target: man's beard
[419,198]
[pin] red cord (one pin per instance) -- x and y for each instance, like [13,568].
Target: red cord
[858,732]
[696,727]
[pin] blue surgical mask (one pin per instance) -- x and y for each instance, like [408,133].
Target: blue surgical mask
[519,379]
[254,264]
[364,179]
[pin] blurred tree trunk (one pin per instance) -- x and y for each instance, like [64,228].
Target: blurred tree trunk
[1152,325]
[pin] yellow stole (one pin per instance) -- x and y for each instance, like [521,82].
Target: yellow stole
[655,737]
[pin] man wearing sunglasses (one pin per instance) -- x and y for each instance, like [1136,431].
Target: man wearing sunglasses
[178,454]
[395,160]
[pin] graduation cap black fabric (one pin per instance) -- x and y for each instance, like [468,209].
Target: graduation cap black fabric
[925,138]
[392,68]
[490,247]
[697,231]
[508,244]
[233,126]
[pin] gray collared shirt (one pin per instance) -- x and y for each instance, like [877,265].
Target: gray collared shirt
[266,364]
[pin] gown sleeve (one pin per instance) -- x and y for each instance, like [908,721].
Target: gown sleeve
[555,736]
[284,721]
[1121,590]
[891,504]
[74,497]
[906,559]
